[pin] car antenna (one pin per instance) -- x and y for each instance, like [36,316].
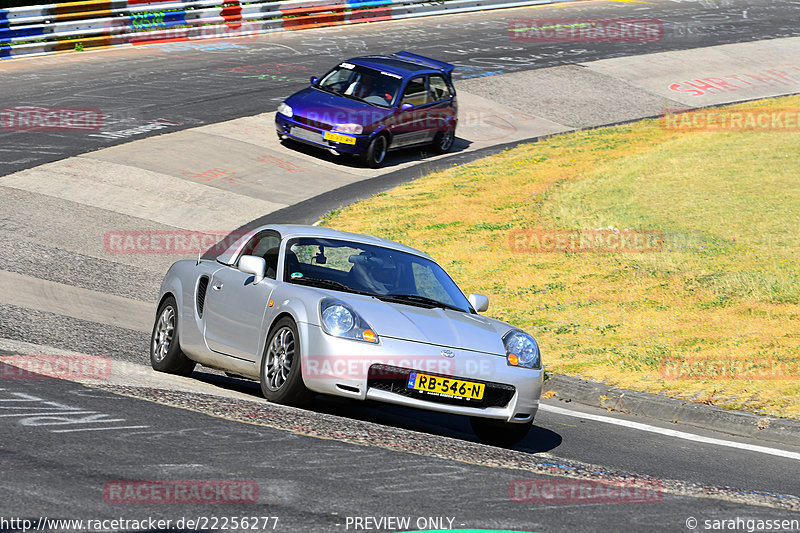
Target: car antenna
[198,257]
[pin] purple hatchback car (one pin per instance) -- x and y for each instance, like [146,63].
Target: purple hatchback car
[369,105]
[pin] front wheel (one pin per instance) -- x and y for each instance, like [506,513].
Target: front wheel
[499,433]
[376,151]
[165,349]
[444,140]
[281,377]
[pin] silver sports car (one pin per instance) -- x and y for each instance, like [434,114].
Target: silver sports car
[310,310]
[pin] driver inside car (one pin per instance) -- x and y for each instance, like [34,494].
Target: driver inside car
[368,88]
[362,274]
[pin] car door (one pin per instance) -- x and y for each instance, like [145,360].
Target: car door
[412,124]
[441,111]
[236,307]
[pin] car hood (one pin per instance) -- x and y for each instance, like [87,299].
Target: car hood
[441,327]
[328,108]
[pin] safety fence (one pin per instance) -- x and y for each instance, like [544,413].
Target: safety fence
[94,23]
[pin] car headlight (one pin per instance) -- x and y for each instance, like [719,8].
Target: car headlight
[339,320]
[522,350]
[349,128]
[285,110]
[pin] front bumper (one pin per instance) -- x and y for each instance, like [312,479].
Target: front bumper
[289,128]
[341,367]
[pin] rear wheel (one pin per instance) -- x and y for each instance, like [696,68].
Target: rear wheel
[281,377]
[499,433]
[444,140]
[376,151]
[165,348]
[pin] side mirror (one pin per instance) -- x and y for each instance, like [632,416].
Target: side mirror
[406,107]
[314,80]
[479,302]
[250,264]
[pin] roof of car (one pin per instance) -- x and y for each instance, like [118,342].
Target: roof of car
[297,230]
[395,65]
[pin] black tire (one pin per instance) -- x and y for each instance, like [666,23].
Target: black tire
[165,347]
[375,153]
[499,433]
[444,140]
[281,376]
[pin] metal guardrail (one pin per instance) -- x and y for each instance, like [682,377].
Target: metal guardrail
[96,23]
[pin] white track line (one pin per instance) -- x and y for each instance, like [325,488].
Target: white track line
[669,432]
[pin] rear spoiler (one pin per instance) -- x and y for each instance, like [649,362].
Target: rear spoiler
[428,62]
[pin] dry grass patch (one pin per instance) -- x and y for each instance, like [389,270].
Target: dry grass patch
[724,287]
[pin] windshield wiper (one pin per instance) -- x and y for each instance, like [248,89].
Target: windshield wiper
[356,98]
[328,284]
[417,299]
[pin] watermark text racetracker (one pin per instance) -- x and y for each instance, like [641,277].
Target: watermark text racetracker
[733,367]
[540,240]
[586,30]
[159,27]
[181,492]
[37,366]
[742,119]
[572,491]
[360,367]
[195,523]
[30,118]
[169,241]
[64,119]
[411,120]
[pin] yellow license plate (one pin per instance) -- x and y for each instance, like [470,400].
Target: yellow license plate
[445,386]
[339,138]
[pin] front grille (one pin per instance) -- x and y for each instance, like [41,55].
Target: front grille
[314,123]
[308,135]
[202,286]
[394,379]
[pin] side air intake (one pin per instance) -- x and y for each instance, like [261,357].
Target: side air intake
[202,286]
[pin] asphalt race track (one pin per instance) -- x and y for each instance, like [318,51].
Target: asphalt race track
[190,84]
[338,466]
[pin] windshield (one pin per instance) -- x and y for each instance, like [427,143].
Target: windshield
[390,275]
[362,83]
